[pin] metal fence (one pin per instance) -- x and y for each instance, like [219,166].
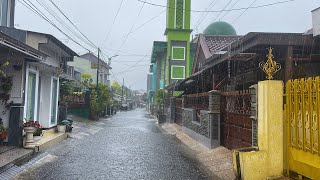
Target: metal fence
[302,114]
[198,102]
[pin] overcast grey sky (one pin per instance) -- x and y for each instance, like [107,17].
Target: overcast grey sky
[95,18]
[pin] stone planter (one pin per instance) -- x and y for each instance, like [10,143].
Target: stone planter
[61,128]
[37,138]
[29,135]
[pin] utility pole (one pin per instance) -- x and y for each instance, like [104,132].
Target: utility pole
[122,89]
[98,74]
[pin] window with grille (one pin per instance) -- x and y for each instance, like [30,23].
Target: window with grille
[177,72]
[178,53]
[180,14]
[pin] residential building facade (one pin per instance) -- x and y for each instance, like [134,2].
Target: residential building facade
[42,78]
[178,61]
[88,63]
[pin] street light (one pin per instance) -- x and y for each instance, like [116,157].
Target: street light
[109,59]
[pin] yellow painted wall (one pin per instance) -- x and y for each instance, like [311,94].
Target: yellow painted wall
[268,161]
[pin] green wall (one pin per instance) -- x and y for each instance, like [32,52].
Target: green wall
[177,34]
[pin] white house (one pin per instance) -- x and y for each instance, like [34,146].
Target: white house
[18,55]
[42,78]
[88,63]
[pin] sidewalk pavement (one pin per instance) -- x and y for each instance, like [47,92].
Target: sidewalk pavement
[11,155]
[216,163]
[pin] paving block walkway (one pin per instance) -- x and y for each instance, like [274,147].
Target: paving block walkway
[217,162]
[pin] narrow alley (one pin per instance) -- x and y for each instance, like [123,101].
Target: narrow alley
[130,145]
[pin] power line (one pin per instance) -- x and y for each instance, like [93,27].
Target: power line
[133,55]
[131,61]
[34,9]
[147,22]
[244,11]
[114,75]
[134,30]
[223,9]
[229,11]
[127,36]
[226,10]
[54,15]
[73,24]
[204,14]
[114,20]
[137,62]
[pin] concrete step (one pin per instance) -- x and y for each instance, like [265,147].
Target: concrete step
[48,132]
[49,139]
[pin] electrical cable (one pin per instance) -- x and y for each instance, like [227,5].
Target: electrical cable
[226,10]
[114,20]
[137,62]
[34,9]
[147,22]
[212,4]
[244,11]
[127,36]
[73,24]
[54,15]
[229,11]
[223,9]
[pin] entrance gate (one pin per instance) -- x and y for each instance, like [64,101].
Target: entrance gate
[302,110]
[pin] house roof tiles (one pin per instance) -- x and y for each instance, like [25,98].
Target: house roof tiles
[218,43]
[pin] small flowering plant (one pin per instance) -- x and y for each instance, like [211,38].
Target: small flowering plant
[32,123]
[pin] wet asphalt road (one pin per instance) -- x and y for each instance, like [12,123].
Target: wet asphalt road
[130,145]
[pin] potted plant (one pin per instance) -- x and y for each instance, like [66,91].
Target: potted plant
[30,127]
[3,133]
[37,134]
[62,126]
[69,126]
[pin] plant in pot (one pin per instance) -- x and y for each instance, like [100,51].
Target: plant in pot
[38,134]
[69,125]
[62,126]
[30,126]
[3,132]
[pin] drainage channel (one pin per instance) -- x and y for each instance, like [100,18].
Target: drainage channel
[14,169]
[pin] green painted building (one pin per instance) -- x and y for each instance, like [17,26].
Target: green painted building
[173,60]
[178,62]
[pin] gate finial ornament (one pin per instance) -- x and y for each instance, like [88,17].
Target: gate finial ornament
[270,67]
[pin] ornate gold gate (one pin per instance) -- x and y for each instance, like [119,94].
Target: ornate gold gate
[302,119]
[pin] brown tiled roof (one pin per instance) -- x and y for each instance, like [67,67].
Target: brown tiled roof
[218,43]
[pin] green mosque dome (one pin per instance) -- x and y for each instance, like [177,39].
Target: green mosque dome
[220,28]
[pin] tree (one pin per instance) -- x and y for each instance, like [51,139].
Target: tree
[87,80]
[116,87]
[99,100]
[160,97]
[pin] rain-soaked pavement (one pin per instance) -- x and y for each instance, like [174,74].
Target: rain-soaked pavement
[128,146]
